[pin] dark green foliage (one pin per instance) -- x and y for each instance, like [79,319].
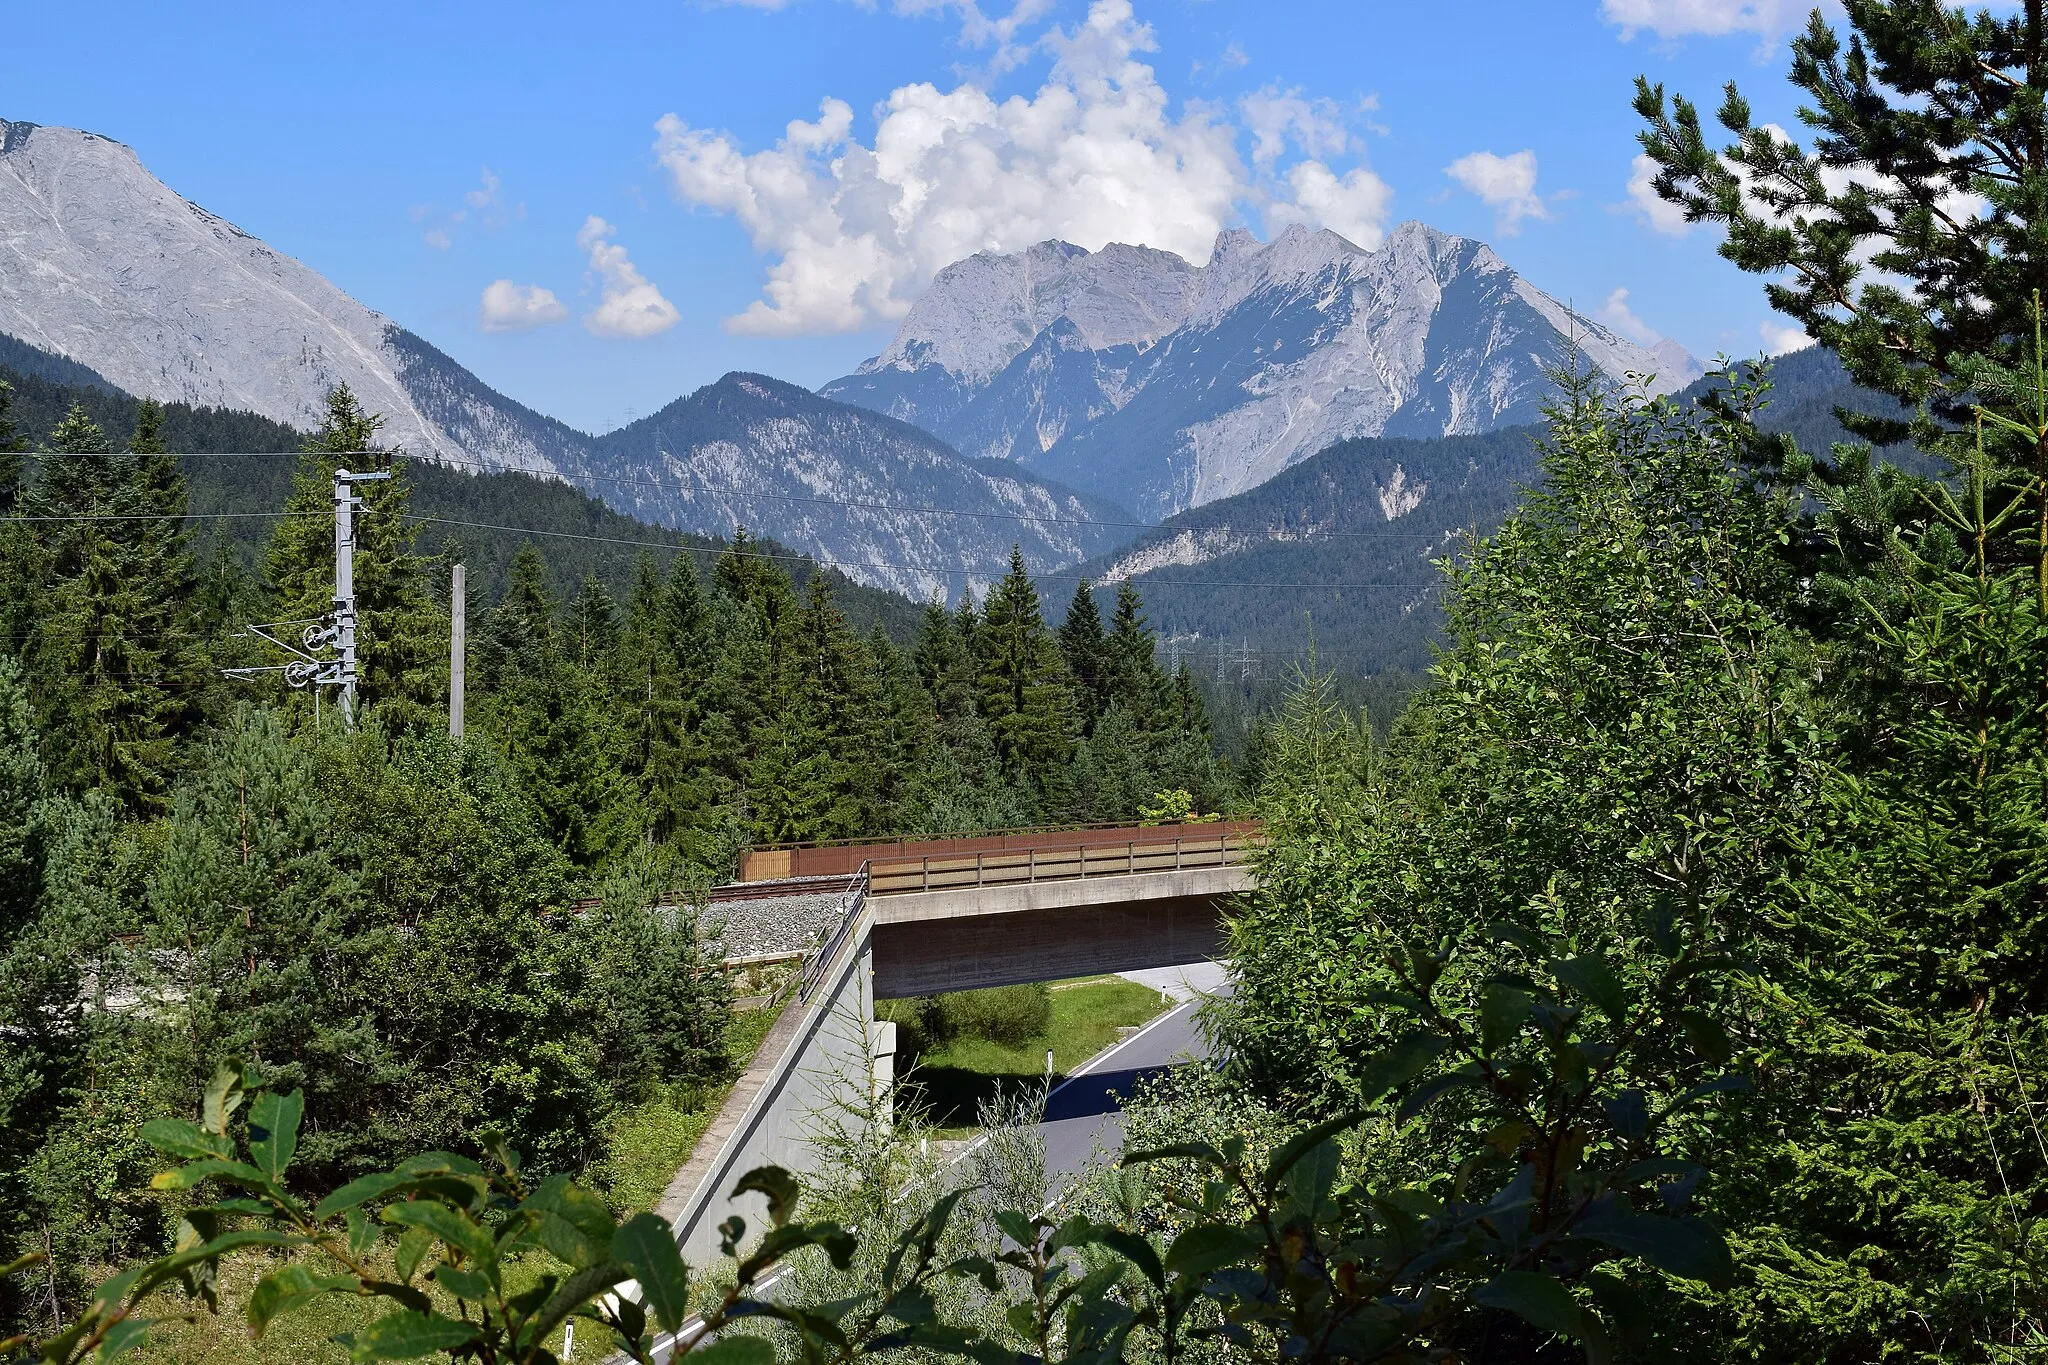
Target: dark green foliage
[103,623]
[1010,1015]
[1592,1225]
[1906,241]
[1252,600]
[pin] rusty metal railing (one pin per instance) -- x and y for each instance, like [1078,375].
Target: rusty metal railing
[1123,858]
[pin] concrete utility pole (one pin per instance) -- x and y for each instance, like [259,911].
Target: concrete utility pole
[458,641]
[345,504]
[313,667]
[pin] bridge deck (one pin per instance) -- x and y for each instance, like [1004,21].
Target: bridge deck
[902,865]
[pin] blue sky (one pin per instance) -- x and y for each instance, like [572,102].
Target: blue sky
[638,161]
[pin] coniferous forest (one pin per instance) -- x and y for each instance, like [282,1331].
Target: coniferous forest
[1667,980]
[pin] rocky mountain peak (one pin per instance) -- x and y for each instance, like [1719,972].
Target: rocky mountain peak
[1197,382]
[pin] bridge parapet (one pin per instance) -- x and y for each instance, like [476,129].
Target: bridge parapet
[845,858]
[1166,849]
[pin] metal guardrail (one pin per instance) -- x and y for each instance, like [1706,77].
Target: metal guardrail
[1123,858]
[820,958]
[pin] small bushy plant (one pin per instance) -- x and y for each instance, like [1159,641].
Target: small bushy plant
[1009,1015]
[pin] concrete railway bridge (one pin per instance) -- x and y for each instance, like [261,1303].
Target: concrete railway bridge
[916,917]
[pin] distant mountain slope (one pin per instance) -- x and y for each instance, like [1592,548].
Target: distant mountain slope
[1806,387]
[577,535]
[1196,569]
[1247,581]
[104,264]
[1131,373]
[846,484]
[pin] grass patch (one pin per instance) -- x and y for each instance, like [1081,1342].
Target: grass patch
[953,1078]
[649,1142]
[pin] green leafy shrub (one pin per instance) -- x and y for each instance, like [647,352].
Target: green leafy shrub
[1009,1015]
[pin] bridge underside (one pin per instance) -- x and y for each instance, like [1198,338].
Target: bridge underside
[974,938]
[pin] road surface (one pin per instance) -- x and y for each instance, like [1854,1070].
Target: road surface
[1085,1113]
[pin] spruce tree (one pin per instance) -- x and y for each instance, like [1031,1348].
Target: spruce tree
[1025,691]
[1136,682]
[110,618]
[11,446]
[1087,654]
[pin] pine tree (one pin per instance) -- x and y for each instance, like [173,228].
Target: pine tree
[109,623]
[1025,692]
[400,633]
[1087,654]
[1136,682]
[252,916]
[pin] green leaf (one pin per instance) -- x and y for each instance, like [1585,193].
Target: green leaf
[735,1350]
[778,1185]
[1536,1299]
[1628,1112]
[361,1191]
[1707,1037]
[1179,1151]
[452,1226]
[1430,1091]
[287,1288]
[1517,935]
[199,1172]
[223,1097]
[1210,1247]
[1306,1141]
[1310,1180]
[413,1247]
[648,1244]
[123,1337]
[1689,1248]
[1503,1009]
[274,1130]
[184,1138]
[408,1336]
[574,1224]
[1134,1249]
[462,1283]
[1400,1064]
[1593,979]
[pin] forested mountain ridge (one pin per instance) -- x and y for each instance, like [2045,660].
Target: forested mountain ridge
[889,503]
[235,468]
[1373,514]
[1336,551]
[1167,385]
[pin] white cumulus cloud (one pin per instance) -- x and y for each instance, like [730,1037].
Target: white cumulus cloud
[1354,206]
[1780,338]
[1768,19]
[1506,184]
[1656,212]
[630,305]
[853,231]
[1617,314]
[509,307]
